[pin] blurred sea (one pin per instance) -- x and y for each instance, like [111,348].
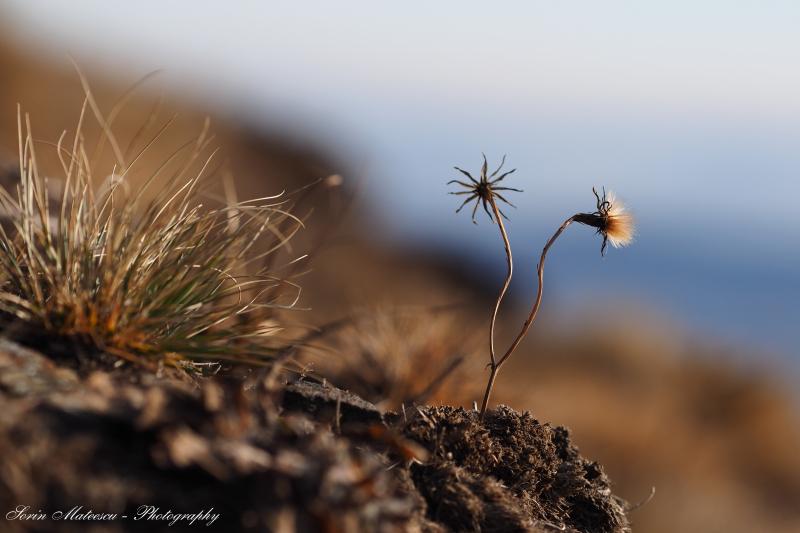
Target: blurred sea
[718,244]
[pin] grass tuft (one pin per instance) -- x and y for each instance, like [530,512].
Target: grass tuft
[151,278]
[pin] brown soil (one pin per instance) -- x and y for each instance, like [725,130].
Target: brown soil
[110,446]
[304,457]
[508,473]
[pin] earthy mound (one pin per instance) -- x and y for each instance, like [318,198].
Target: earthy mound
[304,457]
[110,447]
[508,473]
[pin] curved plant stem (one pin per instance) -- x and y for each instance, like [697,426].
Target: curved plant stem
[496,364]
[489,386]
[506,283]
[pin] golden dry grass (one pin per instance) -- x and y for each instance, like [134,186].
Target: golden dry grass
[183,278]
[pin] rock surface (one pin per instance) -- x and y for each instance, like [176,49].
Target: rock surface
[300,457]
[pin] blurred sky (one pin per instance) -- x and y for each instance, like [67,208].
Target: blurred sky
[690,109]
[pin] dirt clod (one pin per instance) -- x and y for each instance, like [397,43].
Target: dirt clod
[508,473]
[112,446]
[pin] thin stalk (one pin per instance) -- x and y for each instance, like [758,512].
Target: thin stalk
[506,283]
[495,367]
[489,386]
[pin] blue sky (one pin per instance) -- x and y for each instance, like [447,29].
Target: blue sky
[690,109]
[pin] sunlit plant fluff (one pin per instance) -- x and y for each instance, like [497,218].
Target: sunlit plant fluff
[611,219]
[163,282]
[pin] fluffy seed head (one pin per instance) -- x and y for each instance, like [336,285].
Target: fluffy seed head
[611,219]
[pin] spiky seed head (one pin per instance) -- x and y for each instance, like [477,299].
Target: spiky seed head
[485,190]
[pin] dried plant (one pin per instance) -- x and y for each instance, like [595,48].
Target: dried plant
[160,282]
[485,191]
[610,219]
